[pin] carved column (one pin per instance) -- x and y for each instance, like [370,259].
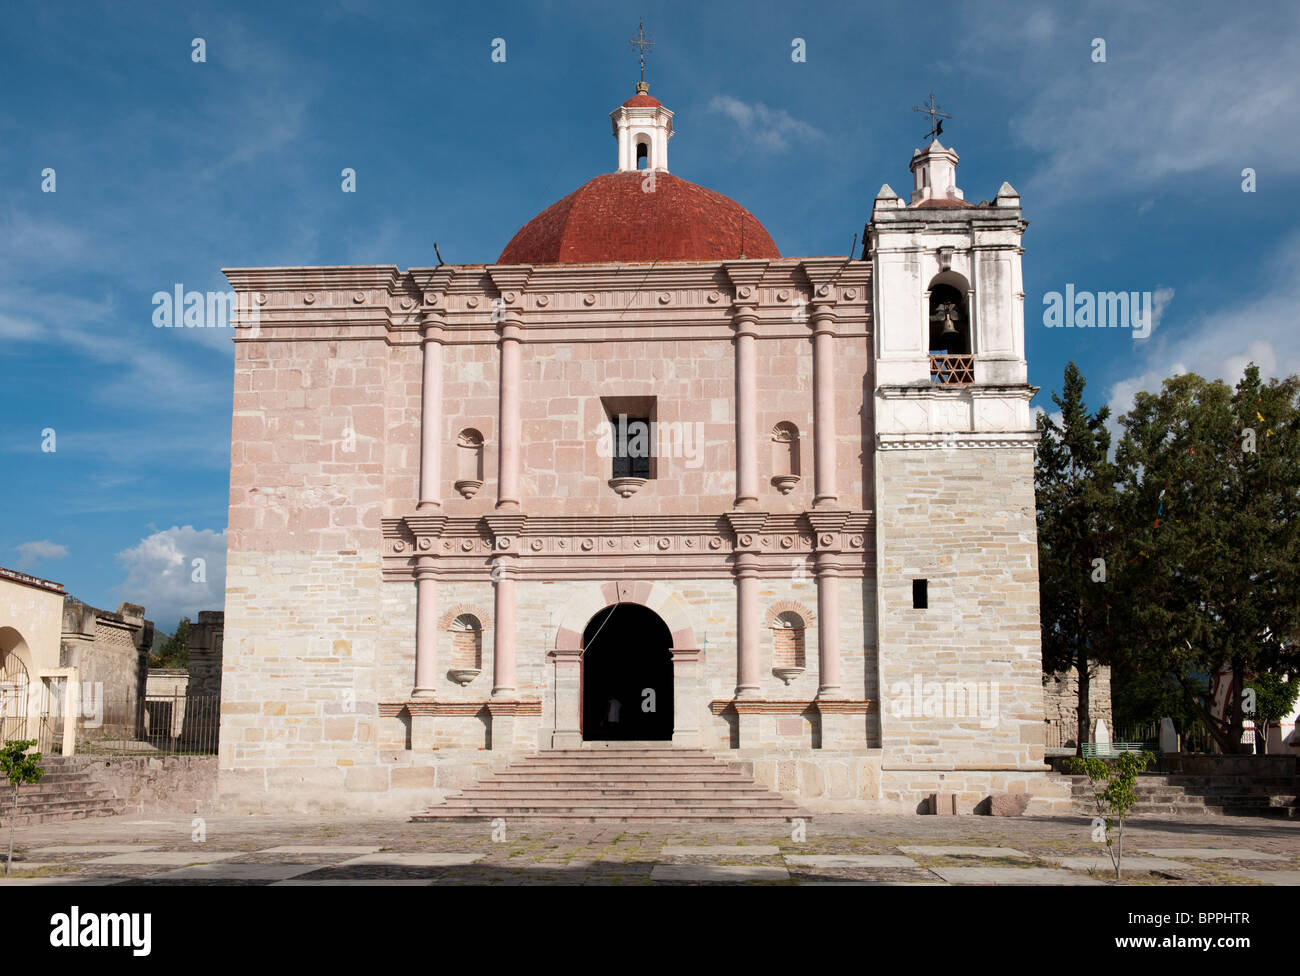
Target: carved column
[431,414]
[747,679]
[746,526]
[503,681]
[828,625]
[510,431]
[426,629]
[822,318]
[746,317]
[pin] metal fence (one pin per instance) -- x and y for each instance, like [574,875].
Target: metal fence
[170,725]
[1194,738]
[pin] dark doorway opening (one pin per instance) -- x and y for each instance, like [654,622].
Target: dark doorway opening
[627,675]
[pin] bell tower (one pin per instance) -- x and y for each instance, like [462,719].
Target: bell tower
[956,553]
[947,281]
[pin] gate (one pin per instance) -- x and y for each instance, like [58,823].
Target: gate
[13,698]
[49,735]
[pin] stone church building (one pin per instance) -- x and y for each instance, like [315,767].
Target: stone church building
[642,480]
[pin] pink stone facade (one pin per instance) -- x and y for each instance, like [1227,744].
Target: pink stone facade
[426,515]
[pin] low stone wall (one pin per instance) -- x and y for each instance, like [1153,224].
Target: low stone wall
[155,784]
[1261,766]
[908,790]
[403,781]
[820,782]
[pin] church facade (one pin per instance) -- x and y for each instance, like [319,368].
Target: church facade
[642,479]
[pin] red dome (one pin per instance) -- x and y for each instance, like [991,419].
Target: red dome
[611,219]
[641,98]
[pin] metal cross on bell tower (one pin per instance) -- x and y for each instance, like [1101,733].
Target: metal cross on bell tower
[936,117]
[641,42]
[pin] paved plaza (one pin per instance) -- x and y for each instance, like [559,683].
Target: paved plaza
[838,849]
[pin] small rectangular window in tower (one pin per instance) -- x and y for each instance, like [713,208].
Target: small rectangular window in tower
[920,594]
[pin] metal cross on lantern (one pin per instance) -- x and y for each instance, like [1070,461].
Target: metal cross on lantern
[936,117]
[641,42]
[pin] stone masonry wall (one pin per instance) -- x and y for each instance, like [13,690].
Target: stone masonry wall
[303,582]
[1061,705]
[961,681]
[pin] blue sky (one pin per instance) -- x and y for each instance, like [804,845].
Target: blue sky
[168,170]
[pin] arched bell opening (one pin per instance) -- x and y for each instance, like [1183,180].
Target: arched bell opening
[949,322]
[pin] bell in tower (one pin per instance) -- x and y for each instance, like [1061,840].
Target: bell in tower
[949,326]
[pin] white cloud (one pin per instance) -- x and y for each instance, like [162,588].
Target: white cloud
[161,573]
[31,553]
[1219,344]
[773,129]
[1199,92]
[141,357]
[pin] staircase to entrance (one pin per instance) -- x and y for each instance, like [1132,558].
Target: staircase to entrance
[622,782]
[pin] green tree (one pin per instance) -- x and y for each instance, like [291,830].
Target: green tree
[1270,698]
[174,652]
[19,767]
[1210,527]
[1075,486]
[1114,791]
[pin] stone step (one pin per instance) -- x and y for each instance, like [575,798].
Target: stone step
[31,819]
[65,792]
[622,767]
[1202,796]
[620,784]
[605,749]
[596,776]
[54,807]
[604,809]
[591,789]
[441,814]
[613,761]
[611,798]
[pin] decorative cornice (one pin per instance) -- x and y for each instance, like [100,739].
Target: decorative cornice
[827,520]
[762,706]
[684,540]
[425,526]
[14,576]
[745,523]
[846,706]
[957,441]
[934,391]
[385,276]
[458,709]
[505,525]
[744,277]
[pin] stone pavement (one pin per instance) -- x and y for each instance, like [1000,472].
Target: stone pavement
[835,849]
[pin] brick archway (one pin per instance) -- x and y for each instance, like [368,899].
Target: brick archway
[564,694]
[596,597]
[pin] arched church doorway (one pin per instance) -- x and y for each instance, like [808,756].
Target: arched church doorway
[627,675]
